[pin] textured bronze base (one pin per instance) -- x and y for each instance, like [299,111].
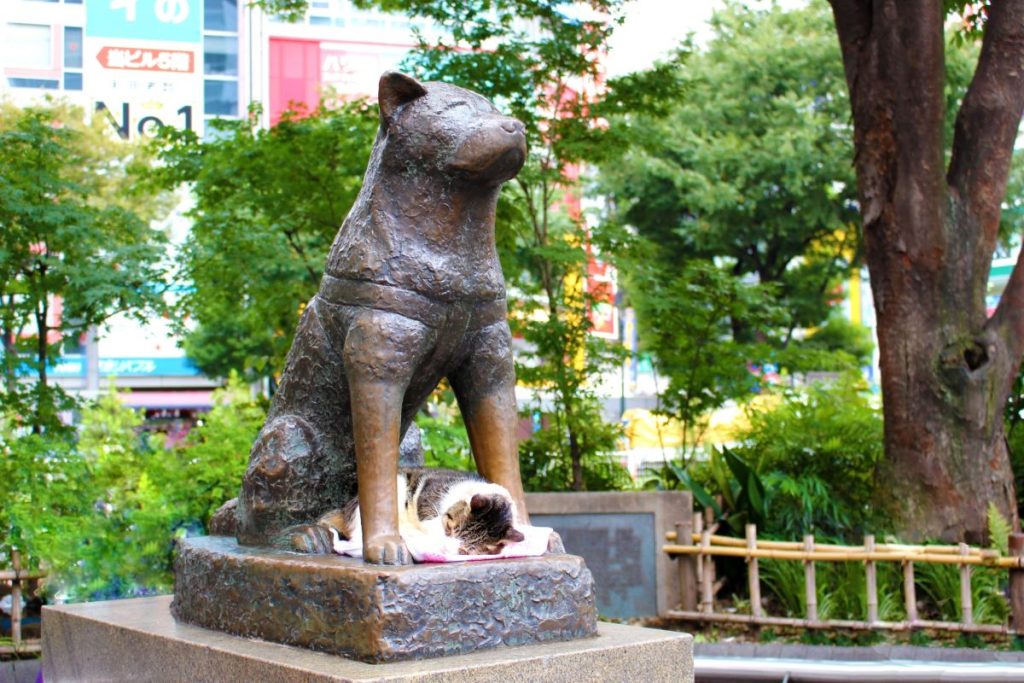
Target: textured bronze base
[381,614]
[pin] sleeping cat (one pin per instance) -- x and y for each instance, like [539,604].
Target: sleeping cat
[447,505]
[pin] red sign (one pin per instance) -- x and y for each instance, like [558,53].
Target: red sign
[601,285]
[147,59]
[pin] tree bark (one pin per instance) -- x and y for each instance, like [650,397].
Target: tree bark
[929,236]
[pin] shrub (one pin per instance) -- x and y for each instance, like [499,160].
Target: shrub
[544,467]
[819,449]
[103,512]
[443,433]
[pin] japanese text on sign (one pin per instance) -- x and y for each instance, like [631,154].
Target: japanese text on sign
[164,20]
[167,11]
[143,59]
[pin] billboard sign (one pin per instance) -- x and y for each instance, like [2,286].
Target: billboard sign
[143,64]
[602,287]
[162,20]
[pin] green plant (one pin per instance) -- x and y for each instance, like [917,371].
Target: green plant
[445,442]
[45,489]
[685,315]
[544,469]
[728,476]
[920,639]
[74,229]
[254,254]
[940,584]
[802,504]
[841,335]
[200,474]
[102,512]
[841,588]
[821,446]
[784,580]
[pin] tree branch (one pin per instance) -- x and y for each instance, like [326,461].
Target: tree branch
[987,123]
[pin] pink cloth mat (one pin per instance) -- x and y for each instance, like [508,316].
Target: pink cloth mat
[430,548]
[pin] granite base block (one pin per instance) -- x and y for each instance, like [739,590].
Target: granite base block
[379,614]
[138,640]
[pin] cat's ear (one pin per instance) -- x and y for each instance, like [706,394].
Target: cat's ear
[514,535]
[480,503]
[394,90]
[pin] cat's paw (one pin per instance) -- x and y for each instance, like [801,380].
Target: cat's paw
[386,549]
[310,538]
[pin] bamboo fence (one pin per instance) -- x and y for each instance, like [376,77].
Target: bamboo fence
[696,545]
[16,578]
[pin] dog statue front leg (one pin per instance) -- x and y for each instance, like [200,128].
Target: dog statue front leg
[485,388]
[376,424]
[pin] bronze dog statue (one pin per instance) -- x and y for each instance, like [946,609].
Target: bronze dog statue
[412,293]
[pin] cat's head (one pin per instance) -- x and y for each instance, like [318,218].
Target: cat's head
[483,524]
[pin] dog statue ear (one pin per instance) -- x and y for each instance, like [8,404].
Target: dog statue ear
[396,89]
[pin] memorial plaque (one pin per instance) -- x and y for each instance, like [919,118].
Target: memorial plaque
[619,550]
[620,535]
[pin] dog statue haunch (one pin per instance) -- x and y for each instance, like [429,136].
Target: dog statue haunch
[412,293]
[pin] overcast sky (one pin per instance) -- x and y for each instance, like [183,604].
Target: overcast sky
[654,27]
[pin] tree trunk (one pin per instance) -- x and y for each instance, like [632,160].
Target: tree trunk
[929,236]
[43,408]
[576,457]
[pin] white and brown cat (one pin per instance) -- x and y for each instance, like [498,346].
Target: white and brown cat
[456,509]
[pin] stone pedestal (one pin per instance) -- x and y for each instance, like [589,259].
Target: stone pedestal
[380,614]
[138,640]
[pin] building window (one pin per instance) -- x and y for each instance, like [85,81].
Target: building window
[221,15]
[220,55]
[29,46]
[72,80]
[41,83]
[221,97]
[72,47]
[220,59]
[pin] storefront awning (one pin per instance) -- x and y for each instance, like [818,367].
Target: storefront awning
[185,398]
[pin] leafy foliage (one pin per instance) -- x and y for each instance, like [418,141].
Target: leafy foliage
[839,335]
[546,466]
[206,470]
[685,315]
[751,168]
[443,433]
[73,227]
[726,484]
[840,589]
[824,443]
[103,512]
[45,491]
[255,253]
[805,466]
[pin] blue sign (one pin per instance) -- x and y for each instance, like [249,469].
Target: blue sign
[73,365]
[142,367]
[166,20]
